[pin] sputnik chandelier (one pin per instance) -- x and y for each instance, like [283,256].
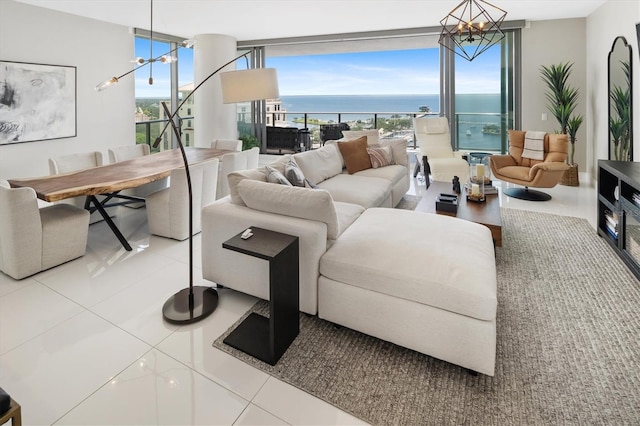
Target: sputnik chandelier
[469,29]
[165,58]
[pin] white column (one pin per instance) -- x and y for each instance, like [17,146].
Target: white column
[213,119]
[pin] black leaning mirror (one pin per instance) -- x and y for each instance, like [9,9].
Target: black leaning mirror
[620,124]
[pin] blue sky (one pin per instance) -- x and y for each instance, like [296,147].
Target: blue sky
[368,73]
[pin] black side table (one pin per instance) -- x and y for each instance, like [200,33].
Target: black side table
[268,338]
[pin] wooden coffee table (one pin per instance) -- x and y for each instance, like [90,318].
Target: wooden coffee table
[487,213]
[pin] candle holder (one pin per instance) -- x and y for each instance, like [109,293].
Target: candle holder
[480,173]
[475,187]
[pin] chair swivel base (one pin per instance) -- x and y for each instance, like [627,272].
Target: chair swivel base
[526,194]
[177,309]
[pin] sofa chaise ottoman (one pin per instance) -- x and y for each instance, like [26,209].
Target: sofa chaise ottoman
[425,282]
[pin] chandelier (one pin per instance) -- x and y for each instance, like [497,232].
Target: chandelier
[469,29]
[165,58]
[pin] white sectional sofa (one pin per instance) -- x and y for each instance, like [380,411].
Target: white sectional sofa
[423,281]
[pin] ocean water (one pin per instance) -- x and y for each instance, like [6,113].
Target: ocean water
[474,112]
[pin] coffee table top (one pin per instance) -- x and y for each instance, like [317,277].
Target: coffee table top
[487,213]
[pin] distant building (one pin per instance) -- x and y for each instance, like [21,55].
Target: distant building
[276,115]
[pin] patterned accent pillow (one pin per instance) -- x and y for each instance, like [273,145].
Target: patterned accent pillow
[380,157]
[293,173]
[274,176]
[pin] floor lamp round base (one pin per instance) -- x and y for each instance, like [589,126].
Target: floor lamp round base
[527,194]
[177,310]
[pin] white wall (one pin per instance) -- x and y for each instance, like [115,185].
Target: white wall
[551,43]
[614,18]
[99,51]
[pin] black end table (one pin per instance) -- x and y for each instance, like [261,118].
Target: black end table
[268,338]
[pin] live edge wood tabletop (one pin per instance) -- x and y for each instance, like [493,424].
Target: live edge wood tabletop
[116,176]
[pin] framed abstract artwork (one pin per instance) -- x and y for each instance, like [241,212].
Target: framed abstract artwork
[37,102]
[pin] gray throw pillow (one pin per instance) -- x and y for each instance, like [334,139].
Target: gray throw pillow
[293,173]
[274,176]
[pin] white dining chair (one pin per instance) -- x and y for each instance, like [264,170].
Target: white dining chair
[228,144]
[74,162]
[168,209]
[235,161]
[33,239]
[129,152]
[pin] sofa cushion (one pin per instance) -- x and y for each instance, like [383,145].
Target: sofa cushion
[320,164]
[393,173]
[234,178]
[347,214]
[293,173]
[355,154]
[373,135]
[365,191]
[451,267]
[398,150]
[292,201]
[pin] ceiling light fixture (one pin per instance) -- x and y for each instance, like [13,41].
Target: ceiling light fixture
[165,58]
[469,29]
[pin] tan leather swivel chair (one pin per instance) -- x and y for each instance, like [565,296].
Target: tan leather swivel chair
[530,173]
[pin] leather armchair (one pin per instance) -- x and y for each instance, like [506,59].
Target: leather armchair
[530,173]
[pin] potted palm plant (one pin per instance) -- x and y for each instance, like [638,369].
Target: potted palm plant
[562,100]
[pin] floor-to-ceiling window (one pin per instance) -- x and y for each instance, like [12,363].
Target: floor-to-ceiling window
[482,96]
[160,82]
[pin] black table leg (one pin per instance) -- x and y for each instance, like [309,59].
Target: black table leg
[98,205]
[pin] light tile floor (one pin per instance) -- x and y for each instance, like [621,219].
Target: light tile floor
[84,343]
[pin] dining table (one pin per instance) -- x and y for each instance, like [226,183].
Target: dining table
[110,179]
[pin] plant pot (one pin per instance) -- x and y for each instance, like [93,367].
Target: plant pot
[570,176]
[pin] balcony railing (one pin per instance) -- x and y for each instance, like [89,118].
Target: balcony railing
[474,131]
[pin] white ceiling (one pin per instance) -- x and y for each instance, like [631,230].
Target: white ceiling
[266,19]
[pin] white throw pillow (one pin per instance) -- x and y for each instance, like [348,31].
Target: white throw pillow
[304,203]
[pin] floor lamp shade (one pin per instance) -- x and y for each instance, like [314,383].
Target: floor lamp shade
[249,85]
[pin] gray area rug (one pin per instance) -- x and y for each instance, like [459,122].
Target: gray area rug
[568,348]
[408,202]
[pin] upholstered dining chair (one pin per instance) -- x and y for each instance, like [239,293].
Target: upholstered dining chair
[33,239]
[438,158]
[233,162]
[535,160]
[72,163]
[168,209]
[129,152]
[229,144]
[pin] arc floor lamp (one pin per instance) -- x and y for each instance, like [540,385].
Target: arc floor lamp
[194,303]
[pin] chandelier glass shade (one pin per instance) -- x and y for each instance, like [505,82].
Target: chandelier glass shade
[471,28]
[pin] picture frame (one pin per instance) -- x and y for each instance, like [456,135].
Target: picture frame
[37,102]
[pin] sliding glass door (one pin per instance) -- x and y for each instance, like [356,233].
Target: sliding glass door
[481,96]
